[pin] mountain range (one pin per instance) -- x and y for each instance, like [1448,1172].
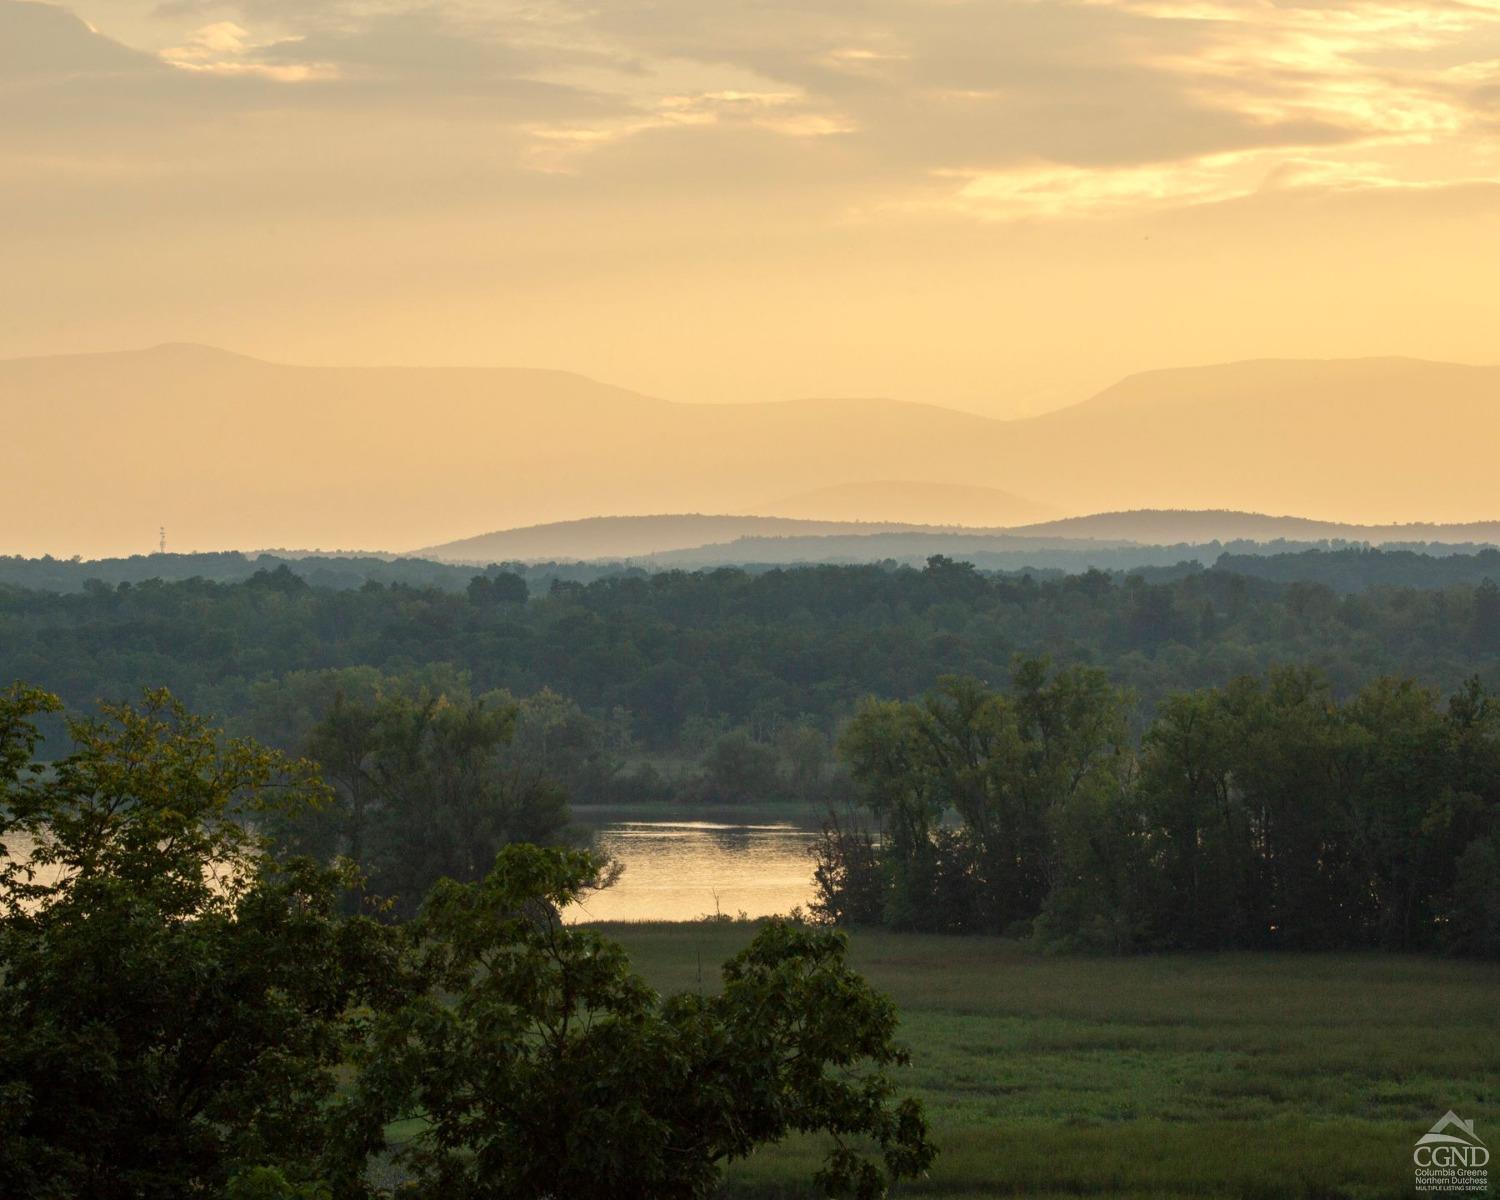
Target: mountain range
[632,537]
[231,451]
[915,502]
[695,539]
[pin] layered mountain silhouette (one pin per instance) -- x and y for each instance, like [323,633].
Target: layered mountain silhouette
[1159,527]
[696,539]
[631,537]
[232,451]
[911,501]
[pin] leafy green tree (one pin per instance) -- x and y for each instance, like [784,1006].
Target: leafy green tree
[556,744]
[1398,784]
[504,588]
[281,712]
[1467,827]
[1199,826]
[1153,619]
[1007,766]
[430,784]
[171,998]
[1484,629]
[1104,890]
[1472,916]
[536,1064]
[885,750]
[267,1183]
[737,769]
[804,753]
[180,1009]
[1267,814]
[1262,814]
[848,888]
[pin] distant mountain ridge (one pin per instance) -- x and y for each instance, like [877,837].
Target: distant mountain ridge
[916,501]
[230,451]
[692,537]
[630,537]
[1171,526]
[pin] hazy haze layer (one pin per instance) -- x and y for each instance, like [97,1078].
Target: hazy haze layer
[229,451]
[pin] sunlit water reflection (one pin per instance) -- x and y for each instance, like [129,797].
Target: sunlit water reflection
[689,867]
[679,868]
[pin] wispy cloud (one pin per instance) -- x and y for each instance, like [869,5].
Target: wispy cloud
[224,48]
[837,181]
[1027,108]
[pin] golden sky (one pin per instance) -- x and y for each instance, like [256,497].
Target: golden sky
[1001,206]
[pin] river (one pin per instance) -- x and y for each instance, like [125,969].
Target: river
[683,864]
[687,863]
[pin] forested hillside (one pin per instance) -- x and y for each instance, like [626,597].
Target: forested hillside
[1343,566]
[675,653]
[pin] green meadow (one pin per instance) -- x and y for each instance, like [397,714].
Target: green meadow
[1242,1075]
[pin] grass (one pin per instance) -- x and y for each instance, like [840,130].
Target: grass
[1256,1076]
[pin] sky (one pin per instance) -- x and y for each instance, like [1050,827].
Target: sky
[997,205]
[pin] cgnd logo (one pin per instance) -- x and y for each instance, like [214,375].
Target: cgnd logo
[1451,1157]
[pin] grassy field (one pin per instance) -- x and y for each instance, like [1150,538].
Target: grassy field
[1224,1075]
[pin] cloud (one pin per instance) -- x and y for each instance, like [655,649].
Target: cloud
[564,173]
[224,48]
[42,41]
[1056,109]
[1048,107]
[1052,190]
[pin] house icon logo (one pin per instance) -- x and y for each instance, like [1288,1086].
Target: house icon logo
[1438,1135]
[1451,1158]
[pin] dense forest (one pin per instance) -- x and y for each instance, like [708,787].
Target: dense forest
[333,570]
[672,662]
[1265,814]
[1343,566]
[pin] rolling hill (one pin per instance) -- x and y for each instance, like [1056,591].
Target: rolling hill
[232,451]
[630,537]
[1166,527]
[696,539]
[916,502]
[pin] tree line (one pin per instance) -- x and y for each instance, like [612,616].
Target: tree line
[429,778]
[1342,565]
[1263,814]
[684,658]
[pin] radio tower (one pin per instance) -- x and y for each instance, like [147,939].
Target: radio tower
[162,545]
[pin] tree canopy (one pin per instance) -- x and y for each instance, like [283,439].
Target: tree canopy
[1263,814]
[672,654]
[188,1014]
